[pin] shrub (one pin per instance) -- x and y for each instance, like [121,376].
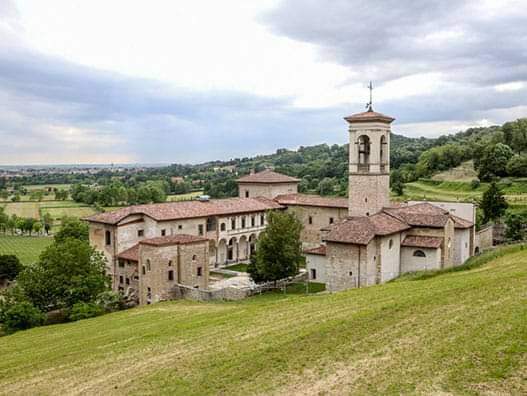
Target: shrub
[83,310]
[10,267]
[475,183]
[110,301]
[21,316]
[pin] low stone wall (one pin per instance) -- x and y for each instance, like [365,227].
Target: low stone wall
[484,239]
[230,293]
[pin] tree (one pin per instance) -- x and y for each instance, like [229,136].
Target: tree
[47,222]
[279,250]
[517,166]
[516,226]
[37,227]
[21,316]
[10,267]
[326,186]
[72,228]
[494,161]
[493,203]
[69,271]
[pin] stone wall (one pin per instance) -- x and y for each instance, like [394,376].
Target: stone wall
[320,217]
[390,256]
[317,263]
[462,245]
[484,239]
[188,264]
[368,193]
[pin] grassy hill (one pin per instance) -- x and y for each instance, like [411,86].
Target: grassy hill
[457,333]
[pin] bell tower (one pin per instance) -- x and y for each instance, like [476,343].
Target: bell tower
[369,163]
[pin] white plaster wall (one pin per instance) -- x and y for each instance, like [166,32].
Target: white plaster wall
[318,263]
[461,246]
[465,210]
[410,263]
[266,190]
[390,257]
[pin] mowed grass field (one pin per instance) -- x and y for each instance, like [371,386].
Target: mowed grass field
[457,333]
[26,248]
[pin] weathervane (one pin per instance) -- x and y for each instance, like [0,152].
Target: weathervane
[370,103]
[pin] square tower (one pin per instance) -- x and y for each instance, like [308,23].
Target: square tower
[369,164]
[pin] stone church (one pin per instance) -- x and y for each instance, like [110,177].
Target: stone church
[349,242]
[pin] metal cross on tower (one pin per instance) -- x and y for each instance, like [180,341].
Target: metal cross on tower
[370,103]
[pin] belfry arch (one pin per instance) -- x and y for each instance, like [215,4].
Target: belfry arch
[364,150]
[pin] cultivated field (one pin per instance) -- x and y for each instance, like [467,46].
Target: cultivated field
[456,333]
[26,248]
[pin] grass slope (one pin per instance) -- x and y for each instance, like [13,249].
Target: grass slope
[461,333]
[26,248]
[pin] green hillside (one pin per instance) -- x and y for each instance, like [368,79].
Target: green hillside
[458,333]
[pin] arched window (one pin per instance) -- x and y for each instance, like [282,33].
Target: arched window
[364,150]
[419,253]
[222,227]
[194,258]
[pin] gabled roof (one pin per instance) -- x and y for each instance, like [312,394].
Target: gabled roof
[422,241]
[420,215]
[179,239]
[361,230]
[319,251]
[369,116]
[267,177]
[312,200]
[187,209]
[132,254]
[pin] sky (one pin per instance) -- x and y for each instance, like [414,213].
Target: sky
[136,81]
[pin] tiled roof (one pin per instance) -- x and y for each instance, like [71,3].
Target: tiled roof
[361,230]
[188,209]
[131,254]
[312,200]
[421,215]
[319,251]
[461,223]
[369,116]
[422,241]
[180,239]
[267,176]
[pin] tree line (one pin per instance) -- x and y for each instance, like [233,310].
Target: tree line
[24,225]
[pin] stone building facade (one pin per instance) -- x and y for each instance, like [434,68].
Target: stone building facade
[267,183]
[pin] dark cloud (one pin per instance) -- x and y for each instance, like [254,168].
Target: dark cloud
[388,39]
[50,106]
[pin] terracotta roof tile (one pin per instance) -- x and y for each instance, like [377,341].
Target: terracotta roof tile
[369,116]
[131,254]
[461,223]
[420,215]
[361,230]
[320,250]
[312,200]
[179,239]
[188,209]
[422,241]
[267,176]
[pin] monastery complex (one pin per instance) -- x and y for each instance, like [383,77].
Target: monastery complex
[349,242]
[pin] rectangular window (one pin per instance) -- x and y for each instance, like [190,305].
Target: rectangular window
[140,233]
[253,221]
[199,271]
[313,273]
[310,220]
[163,232]
[121,263]
[108,238]
[144,270]
[200,229]
[243,222]
[127,281]
[180,227]
[120,279]
[233,224]
[170,275]
[331,220]
[246,194]
[262,220]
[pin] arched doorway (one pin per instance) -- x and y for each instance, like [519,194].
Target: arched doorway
[231,250]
